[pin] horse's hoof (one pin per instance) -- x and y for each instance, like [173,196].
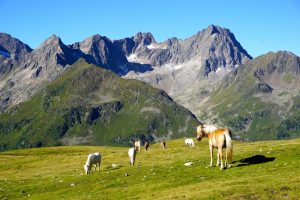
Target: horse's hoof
[221,168]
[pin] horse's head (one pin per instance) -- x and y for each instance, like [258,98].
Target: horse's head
[200,132]
[86,169]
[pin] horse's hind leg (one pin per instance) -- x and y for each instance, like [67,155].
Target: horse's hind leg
[226,161]
[211,155]
[221,157]
[218,160]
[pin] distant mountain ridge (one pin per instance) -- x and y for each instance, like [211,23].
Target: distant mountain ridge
[214,46]
[260,99]
[91,105]
[33,69]
[210,73]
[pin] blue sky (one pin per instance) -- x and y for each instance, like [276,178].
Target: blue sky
[259,25]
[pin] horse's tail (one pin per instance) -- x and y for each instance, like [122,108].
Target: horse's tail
[229,146]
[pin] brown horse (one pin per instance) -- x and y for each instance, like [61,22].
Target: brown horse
[147,144]
[220,138]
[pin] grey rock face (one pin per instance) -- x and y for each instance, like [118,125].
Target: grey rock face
[276,63]
[213,47]
[11,51]
[102,52]
[191,63]
[51,53]
[35,71]
[13,48]
[132,44]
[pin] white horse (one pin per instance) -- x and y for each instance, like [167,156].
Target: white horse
[189,141]
[131,154]
[93,159]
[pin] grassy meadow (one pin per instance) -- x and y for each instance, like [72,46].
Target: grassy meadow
[261,170]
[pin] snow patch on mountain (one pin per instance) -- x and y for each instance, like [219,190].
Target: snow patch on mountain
[157,46]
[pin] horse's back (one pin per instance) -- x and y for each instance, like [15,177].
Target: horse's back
[93,158]
[220,137]
[218,132]
[96,157]
[137,143]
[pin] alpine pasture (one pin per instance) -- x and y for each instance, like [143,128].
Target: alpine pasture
[260,170]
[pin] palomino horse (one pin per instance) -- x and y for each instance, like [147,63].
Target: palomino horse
[220,139]
[137,145]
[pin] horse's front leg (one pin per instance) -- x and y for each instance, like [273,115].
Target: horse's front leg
[211,155]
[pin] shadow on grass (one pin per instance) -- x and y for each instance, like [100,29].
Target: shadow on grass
[257,159]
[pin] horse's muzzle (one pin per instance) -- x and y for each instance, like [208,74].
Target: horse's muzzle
[199,138]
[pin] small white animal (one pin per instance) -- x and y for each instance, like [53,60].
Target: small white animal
[189,141]
[189,163]
[131,154]
[93,159]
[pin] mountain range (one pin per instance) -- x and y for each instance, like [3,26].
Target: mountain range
[92,105]
[209,73]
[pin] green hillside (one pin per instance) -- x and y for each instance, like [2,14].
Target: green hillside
[261,170]
[261,100]
[91,105]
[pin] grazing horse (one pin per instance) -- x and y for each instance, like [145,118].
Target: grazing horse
[93,159]
[220,139]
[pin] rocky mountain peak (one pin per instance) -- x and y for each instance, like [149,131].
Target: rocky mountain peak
[101,51]
[274,64]
[91,43]
[50,47]
[219,48]
[144,38]
[52,40]
[212,48]
[213,29]
[13,48]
